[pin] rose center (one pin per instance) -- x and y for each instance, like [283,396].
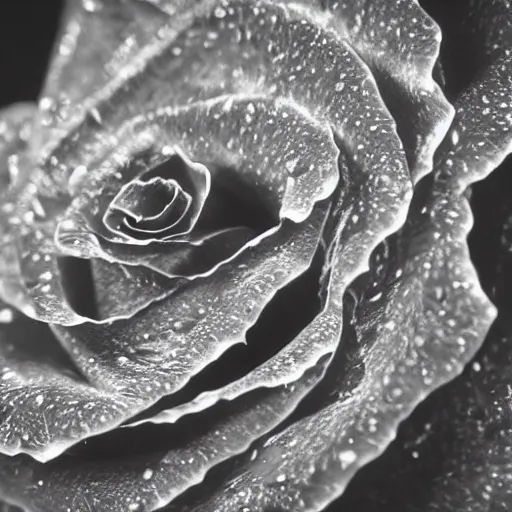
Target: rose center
[152,206]
[161,203]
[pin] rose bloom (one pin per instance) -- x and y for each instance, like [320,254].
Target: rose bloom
[256,256]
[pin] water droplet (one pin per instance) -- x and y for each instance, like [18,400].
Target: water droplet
[6,316]
[347,457]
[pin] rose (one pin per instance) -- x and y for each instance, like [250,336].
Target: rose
[345,455]
[400,308]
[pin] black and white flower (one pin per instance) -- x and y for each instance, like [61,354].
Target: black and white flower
[234,259]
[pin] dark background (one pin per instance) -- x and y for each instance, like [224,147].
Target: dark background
[27,32]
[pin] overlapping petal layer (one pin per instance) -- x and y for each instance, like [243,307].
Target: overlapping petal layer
[408,335]
[454,451]
[299,104]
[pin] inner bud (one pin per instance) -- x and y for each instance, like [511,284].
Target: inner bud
[162,203]
[152,207]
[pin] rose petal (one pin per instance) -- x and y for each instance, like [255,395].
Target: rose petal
[116,42]
[45,285]
[257,137]
[194,257]
[120,290]
[400,44]
[454,450]
[133,363]
[150,480]
[43,396]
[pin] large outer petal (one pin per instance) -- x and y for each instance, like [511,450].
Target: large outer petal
[454,452]
[425,349]
[400,44]
[132,363]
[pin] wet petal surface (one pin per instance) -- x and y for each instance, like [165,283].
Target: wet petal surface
[220,153]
